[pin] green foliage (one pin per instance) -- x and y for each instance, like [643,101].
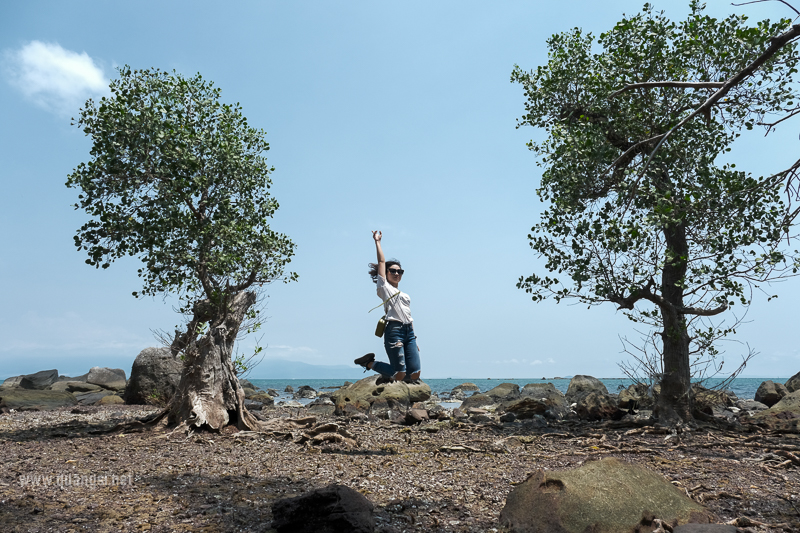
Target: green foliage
[178,179]
[615,231]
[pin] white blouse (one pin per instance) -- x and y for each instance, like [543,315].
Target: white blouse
[399,307]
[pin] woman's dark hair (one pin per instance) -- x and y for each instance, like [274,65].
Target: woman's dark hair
[373,268]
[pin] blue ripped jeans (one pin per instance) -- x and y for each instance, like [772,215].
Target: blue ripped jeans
[401,347]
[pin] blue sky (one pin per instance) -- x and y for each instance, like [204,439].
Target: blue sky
[394,116]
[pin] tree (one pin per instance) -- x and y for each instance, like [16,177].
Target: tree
[179,180]
[672,236]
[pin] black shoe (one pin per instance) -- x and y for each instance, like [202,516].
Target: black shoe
[410,381]
[383,380]
[364,360]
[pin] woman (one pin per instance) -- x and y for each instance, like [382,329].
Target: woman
[398,338]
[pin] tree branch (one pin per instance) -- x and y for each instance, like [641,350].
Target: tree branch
[640,293]
[246,283]
[776,43]
[678,84]
[703,312]
[784,2]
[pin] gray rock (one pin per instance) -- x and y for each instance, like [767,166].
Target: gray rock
[264,399]
[458,395]
[751,405]
[76,378]
[246,384]
[507,418]
[505,392]
[580,386]
[11,382]
[305,392]
[110,399]
[273,393]
[288,388]
[253,405]
[367,395]
[291,403]
[769,393]
[321,406]
[75,386]
[249,392]
[330,509]
[538,399]
[470,387]
[707,400]
[636,396]
[606,496]
[793,383]
[783,416]
[91,398]
[40,380]
[108,378]
[155,376]
[597,406]
[35,400]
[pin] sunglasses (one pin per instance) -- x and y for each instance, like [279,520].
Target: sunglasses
[397,271]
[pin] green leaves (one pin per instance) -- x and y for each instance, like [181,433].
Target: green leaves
[178,179]
[684,235]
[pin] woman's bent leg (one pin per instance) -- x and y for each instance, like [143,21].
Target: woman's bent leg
[385,369]
[412,360]
[393,342]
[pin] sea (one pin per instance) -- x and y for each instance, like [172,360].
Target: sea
[744,388]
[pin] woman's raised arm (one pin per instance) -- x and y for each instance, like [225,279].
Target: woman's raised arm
[381,259]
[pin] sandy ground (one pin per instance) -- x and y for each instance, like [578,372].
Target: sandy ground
[62,473]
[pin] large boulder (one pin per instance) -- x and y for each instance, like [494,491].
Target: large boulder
[327,510]
[11,382]
[75,386]
[82,378]
[636,396]
[305,392]
[580,386]
[793,383]
[597,406]
[606,496]
[783,416]
[110,399]
[769,393]
[108,378]
[321,406]
[708,400]
[35,400]
[505,392]
[538,399]
[40,380]
[366,395]
[91,398]
[155,376]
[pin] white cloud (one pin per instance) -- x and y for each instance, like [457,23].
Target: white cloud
[536,362]
[54,78]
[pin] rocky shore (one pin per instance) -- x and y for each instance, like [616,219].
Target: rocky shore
[449,475]
[400,459]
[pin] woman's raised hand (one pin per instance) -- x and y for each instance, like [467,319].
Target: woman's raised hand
[377,235]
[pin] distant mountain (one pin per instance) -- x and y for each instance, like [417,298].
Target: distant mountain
[282,369]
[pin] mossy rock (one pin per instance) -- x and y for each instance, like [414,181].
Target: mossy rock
[607,496]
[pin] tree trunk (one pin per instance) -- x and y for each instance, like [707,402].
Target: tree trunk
[674,404]
[209,395]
